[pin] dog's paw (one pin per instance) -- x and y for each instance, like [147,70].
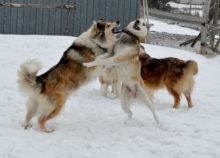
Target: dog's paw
[26,126]
[134,122]
[46,130]
[87,64]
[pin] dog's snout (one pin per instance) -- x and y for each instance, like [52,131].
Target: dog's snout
[137,21]
[117,22]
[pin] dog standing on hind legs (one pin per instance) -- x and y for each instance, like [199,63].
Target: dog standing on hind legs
[48,92]
[124,57]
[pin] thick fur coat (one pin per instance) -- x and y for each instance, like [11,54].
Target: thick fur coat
[174,74]
[125,61]
[47,93]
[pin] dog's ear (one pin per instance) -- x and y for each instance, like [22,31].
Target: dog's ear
[94,22]
[101,20]
[100,26]
[142,47]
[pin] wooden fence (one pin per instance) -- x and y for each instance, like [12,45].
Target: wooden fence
[209,32]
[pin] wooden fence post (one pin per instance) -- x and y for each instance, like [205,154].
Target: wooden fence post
[213,32]
[204,27]
[148,28]
[190,7]
[144,15]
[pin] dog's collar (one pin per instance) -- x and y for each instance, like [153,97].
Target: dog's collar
[130,34]
[100,47]
[104,49]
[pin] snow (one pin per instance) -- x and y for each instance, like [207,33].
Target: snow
[181,6]
[194,12]
[92,126]
[184,8]
[160,26]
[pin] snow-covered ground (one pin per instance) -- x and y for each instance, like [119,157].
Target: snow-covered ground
[160,26]
[180,6]
[195,12]
[91,126]
[184,8]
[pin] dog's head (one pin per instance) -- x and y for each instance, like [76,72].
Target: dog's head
[104,33]
[138,28]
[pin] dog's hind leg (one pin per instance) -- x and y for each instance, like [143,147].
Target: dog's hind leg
[126,100]
[104,89]
[176,97]
[188,98]
[31,111]
[142,96]
[117,88]
[42,122]
[43,119]
[56,107]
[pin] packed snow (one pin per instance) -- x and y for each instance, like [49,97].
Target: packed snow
[183,6]
[195,12]
[92,126]
[160,26]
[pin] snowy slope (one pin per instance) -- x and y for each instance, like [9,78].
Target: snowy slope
[92,126]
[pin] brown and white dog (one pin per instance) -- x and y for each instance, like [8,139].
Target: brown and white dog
[48,92]
[124,57]
[174,74]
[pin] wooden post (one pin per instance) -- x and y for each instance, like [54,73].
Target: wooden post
[217,44]
[213,32]
[190,7]
[216,13]
[204,22]
[67,22]
[148,28]
[144,15]
[141,9]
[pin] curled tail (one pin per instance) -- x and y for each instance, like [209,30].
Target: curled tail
[191,68]
[27,76]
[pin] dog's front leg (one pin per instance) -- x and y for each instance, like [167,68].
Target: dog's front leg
[91,64]
[103,56]
[106,61]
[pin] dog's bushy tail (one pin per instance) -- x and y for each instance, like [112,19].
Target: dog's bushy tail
[27,76]
[191,68]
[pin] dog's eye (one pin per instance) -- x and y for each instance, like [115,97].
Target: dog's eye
[143,24]
[108,25]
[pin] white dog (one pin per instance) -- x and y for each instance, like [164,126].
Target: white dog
[124,57]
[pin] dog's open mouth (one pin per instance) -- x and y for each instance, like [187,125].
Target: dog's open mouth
[114,30]
[136,26]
